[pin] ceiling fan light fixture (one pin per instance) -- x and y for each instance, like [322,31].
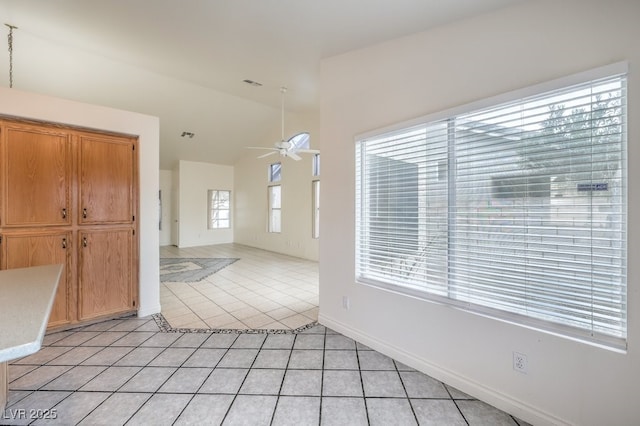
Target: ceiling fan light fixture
[287,148]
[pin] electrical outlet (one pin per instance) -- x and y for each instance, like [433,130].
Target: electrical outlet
[520,362]
[346,302]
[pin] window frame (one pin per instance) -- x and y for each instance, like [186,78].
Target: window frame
[298,141]
[613,342]
[315,206]
[274,172]
[315,160]
[271,225]
[212,209]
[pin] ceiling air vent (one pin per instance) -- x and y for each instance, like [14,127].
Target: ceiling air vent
[252,83]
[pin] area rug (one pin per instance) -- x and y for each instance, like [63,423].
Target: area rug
[191,270]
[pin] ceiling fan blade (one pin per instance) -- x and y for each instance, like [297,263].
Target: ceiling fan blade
[294,156]
[268,154]
[259,147]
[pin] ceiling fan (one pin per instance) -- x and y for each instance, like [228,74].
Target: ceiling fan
[286,148]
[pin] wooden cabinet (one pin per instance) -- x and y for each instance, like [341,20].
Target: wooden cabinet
[43,248]
[69,196]
[106,180]
[37,175]
[105,272]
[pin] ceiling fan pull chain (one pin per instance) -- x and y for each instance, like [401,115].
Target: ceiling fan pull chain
[10,42]
[283,90]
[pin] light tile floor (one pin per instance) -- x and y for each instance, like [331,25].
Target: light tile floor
[262,290]
[128,372]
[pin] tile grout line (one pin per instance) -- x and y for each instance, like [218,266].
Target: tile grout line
[243,380]
[364,396]
[415,416]
[457,406]
[193,395]
[284,376]
[324,349]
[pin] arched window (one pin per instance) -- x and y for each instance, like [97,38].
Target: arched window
[299,141]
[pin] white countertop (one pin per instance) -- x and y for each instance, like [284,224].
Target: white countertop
[26,299]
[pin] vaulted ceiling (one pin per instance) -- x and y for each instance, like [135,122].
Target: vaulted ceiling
[185,61]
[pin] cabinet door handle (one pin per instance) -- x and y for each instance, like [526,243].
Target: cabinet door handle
[64,243]
[84,241]
[64,213]
[84,213]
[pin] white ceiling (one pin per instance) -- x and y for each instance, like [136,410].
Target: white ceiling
[184,61]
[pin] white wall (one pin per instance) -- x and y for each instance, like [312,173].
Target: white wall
[251,201]
[166,181]
[568,381]
[195,179]
[29,105]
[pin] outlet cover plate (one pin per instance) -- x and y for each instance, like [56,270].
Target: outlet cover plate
[520,362]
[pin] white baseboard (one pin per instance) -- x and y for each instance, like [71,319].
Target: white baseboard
[500,400]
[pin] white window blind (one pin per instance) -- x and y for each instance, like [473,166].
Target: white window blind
[516,211]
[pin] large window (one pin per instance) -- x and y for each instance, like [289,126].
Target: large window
[219,209]
[517,210]
[275,208]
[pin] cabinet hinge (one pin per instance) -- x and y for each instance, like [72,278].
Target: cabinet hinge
[0,239]
[133,218]
[134,231]
[133,147]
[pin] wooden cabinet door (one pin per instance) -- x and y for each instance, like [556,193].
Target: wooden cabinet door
[106,180]
[36,164]
[22,250]
[105,272]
